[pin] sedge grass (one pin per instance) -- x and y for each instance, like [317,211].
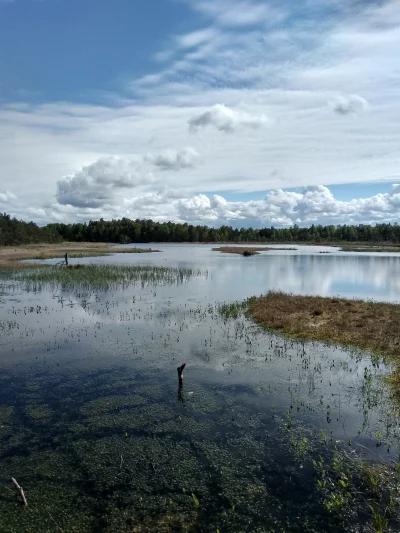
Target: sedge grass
[368,325]
[364,324]
[96,276]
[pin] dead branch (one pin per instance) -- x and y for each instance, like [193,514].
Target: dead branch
[20,490]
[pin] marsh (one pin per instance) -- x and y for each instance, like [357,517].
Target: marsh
[95,428]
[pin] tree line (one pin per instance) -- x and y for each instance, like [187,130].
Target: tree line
[14,232]
[125,231]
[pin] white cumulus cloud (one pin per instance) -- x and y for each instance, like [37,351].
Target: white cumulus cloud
[225,119]
[174,160]
[93,185]
[315,204]
[107,180]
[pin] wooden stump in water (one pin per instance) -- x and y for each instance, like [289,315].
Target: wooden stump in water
[180,371]
[180,384]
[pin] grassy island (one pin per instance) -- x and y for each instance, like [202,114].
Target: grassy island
[368,325]
[246,251]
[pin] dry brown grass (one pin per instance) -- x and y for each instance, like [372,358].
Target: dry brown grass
[253,250]
[372,326]
[11,256]
[370,248]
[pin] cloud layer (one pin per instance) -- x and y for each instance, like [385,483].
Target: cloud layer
[314,204]
[86,196]
[323,77]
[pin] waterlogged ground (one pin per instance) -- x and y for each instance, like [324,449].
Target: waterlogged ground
[97,430]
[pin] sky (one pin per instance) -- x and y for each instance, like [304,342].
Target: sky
[238,112]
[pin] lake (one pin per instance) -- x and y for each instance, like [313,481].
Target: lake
[96,428]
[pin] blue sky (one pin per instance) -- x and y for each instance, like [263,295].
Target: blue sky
[70,50]
[223,111]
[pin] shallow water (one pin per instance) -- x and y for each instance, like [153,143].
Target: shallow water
[94,425]
[318,270]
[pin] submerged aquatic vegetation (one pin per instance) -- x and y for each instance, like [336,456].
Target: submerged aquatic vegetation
[116,460]
[355,485]
[353,488]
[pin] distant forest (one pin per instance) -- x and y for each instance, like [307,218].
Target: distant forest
[13,231]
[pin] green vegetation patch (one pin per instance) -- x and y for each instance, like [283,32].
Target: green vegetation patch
[99,276]
[351,488]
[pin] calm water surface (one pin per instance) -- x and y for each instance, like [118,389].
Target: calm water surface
[95,427]
[318,270]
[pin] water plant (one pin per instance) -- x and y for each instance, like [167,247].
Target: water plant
[103,277]
[195,501]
